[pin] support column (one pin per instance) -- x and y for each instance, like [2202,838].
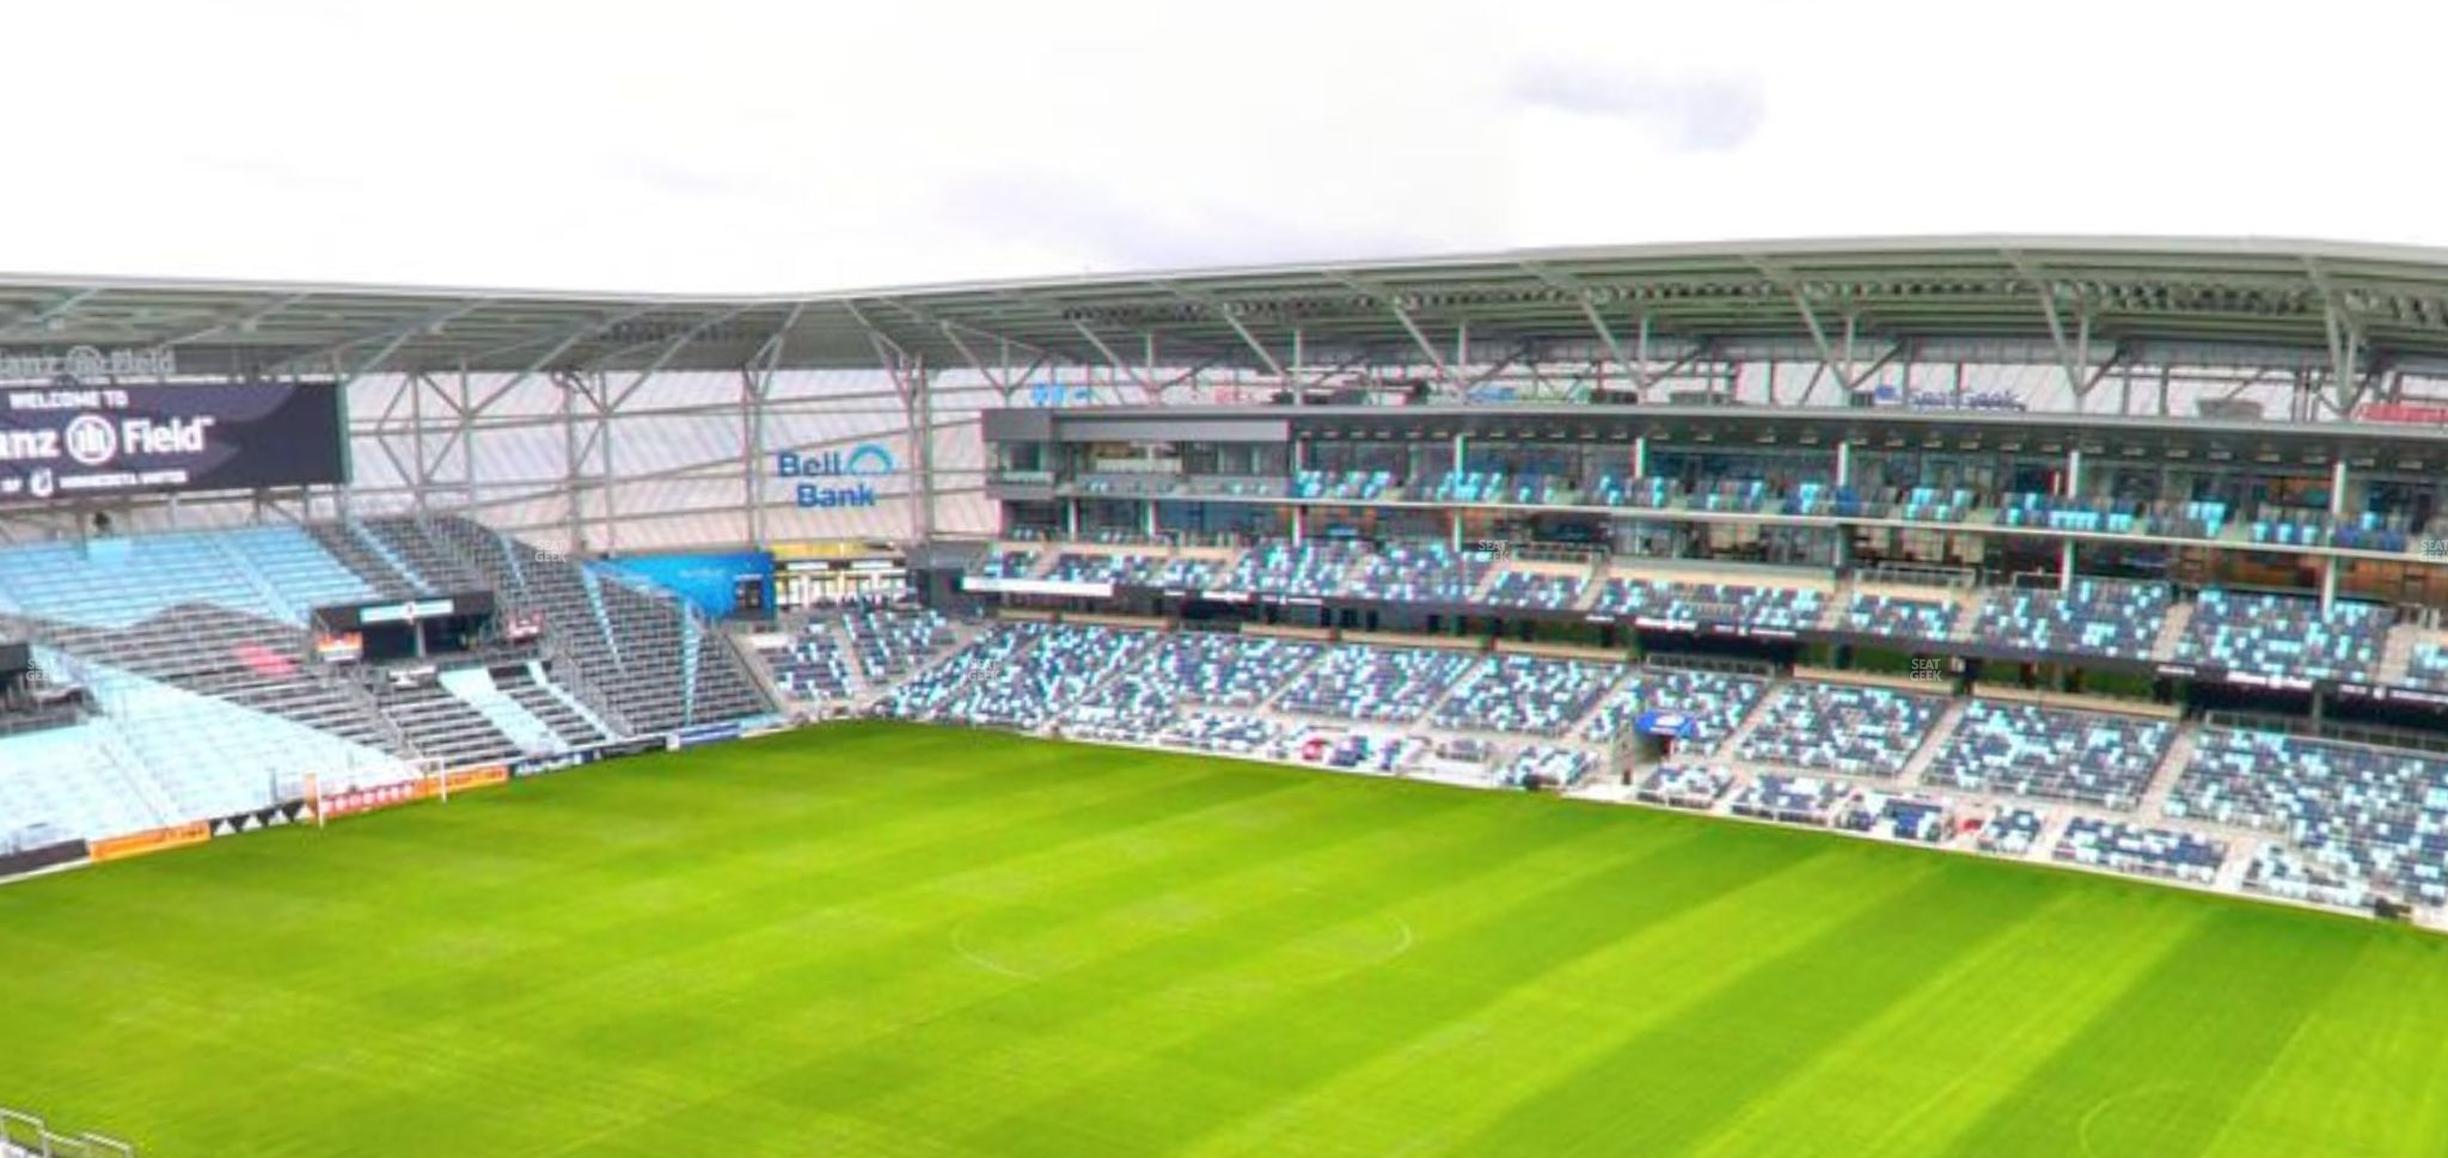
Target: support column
[1071,519]
[1300,524]
[1453,520]
[1460,454]
[2065,566]
[2329,582]
[1844,464]
[1151,520]
[1299,352]
[1640,456]
[2073,476]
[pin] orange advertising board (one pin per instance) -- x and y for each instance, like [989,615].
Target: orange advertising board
[152,841]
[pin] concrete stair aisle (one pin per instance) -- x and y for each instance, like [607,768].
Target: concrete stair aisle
[379,573]
[2179,617]
[2163,778]
[1933,743]
[2397,653]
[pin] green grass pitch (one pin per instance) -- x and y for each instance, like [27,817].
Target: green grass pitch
[879,939]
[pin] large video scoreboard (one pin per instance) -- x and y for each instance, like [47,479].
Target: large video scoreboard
[70,439]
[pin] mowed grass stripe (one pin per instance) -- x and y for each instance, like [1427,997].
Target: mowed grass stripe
[599,970]
[1665,1087]
[1955,1042]
[749,949]
[2161,1069]
[1102,795]
[1402,1101]
[1249,941]
[2366,1072]
[754,1009]
[1240,1067]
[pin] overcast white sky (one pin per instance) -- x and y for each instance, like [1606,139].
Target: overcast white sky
[731,146]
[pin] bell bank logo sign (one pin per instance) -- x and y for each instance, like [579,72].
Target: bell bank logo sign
[841,475]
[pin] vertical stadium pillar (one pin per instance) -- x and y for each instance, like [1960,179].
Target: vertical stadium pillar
[1453,522]
[2065,566]
[1299,349]
[1640,456]
[1461,450]
[1071,519]
[2337,515]
[1300,524]
[1844,463]
[2073,475]
[1151,519]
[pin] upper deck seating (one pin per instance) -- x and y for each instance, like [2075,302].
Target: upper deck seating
[1641,493]
[1342,485]
[1007,564]
[1312,569]
[2427,666]
[2283,635]
[1934,504]
[1134,570]
[1419,573]
[2101,617]
[1775,608]
[1535,589]
[1900,617]
[2057,512]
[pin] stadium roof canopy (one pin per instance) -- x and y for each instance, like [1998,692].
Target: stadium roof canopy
[2352,308]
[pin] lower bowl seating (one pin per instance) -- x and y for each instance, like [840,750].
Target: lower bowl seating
[2024,750]
[1695,786]
[2011,831]
[1792,799]
[1856,731]
[1714,704]
[2135,849]
[1356,682]
[2374,816]
[1528,695]
[1919,819]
